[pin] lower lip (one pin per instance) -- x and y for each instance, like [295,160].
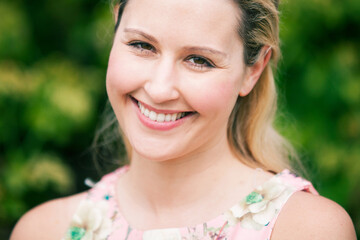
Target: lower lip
[162,126]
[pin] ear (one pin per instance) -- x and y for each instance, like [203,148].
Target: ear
[116,12]
[254,72]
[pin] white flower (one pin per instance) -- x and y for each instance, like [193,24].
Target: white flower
[90,221]
[258,208]
[162,234]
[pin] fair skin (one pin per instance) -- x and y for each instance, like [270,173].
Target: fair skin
[160,71]
[161,58]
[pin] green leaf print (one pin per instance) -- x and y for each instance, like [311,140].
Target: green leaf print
[254,197]
[76,233]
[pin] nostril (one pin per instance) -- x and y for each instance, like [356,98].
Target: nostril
[161,92]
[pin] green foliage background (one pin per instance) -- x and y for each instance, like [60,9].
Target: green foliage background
[53,57]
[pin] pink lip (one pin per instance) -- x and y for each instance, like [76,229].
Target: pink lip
[162,126]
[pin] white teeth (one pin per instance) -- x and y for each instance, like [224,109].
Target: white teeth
[152,115]
[160,117]
[146,112]
[168,117]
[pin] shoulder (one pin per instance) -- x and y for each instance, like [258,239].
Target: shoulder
[308,216]
[54,216]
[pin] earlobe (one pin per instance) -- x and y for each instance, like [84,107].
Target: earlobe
[254,72]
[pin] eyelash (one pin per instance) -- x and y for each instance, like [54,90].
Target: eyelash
[140,46]
[206,62]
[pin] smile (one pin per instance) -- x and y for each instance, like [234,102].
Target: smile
[151,114]
[160,117]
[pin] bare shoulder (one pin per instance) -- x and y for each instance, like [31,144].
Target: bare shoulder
[307,216]
[48,220]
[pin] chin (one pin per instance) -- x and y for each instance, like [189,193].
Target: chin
[156,154]
[156,157]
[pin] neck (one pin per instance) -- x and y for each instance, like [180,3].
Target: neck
[184,181]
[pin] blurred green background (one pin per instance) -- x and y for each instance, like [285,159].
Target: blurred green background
[53,58]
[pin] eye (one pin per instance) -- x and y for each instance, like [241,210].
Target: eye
[142,46]
[200,62]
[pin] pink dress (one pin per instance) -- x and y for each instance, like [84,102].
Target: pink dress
[98,216]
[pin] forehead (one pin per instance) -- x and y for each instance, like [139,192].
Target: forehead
[196,21]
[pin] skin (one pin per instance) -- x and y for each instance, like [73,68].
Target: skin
[162,74]
[185,171]
[166,78]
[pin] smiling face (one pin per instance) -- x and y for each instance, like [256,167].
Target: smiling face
[175,71]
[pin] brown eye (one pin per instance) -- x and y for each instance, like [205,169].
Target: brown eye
[146,46]
[142,46]
[200,62]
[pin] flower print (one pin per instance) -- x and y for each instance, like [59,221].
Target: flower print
[206,233]
[258,208]
[90,222]
[162,234]
[215,234]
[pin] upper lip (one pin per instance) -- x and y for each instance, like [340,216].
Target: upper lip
[158,110]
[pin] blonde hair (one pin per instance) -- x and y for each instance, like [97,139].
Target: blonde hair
[251,134]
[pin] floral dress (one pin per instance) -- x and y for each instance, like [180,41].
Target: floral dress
[98,216]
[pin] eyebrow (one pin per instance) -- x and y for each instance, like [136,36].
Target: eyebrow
[206,49]
[145,35]
[188,48]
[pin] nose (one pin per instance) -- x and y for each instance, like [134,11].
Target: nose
[161,84]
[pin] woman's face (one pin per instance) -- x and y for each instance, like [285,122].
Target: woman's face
[171,59]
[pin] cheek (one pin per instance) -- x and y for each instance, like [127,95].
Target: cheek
[124,75]
[214,96]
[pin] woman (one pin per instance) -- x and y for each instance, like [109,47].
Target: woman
[191,85]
